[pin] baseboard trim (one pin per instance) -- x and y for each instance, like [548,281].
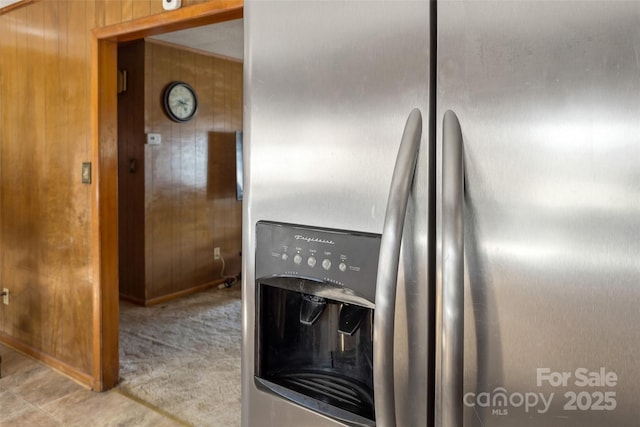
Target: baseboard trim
[172,296]
[132,300]
[56,364]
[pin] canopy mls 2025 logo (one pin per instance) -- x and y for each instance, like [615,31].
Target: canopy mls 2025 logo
[578,390]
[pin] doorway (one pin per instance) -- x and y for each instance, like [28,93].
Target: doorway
[105,42]
[179,217]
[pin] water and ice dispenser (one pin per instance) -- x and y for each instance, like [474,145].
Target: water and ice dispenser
[315,293]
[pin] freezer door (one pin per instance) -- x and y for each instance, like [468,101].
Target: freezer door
[548,99]
[328,88]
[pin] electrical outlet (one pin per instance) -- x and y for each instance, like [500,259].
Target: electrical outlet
[216,253]
[5,296]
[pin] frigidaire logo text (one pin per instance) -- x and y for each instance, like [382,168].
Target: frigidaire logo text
[313,239]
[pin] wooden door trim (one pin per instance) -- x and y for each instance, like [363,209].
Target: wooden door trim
[104,148]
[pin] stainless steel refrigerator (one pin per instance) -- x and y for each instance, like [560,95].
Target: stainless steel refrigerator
[441,214]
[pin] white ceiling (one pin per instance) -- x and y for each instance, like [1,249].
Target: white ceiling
[225,38]
[5,3]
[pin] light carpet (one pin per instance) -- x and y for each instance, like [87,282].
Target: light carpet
[183,356]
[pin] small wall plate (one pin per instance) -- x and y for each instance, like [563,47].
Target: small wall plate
[154,139]
[86,173]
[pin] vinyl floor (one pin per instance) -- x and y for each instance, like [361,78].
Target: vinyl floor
[32,394]
[179,366]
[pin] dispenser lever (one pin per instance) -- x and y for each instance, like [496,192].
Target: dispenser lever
[311,307]
[350,318]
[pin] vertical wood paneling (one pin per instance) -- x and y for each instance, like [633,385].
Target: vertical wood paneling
[41,174]
[235,217]
[150,154]
[3,136]
[30,288]
[191,206]
[131,183]
[173,218]
[47,238]
[204,212]
[140,8]
[100,11]
[127,10]
[113,12]
[67,301]
[12,156]
[6,44]
[219,107]
[187,73]
[8,90]
[90,24]
[82,295]
[53,60]
[160,212]
[155,7]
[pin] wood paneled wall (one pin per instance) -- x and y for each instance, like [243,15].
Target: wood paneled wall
[131,188]
[190,204]
[45,210]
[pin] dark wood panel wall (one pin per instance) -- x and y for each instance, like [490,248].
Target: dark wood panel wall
[131,140]
[188,206]
[45,210]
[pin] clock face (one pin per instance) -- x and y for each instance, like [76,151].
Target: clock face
[180,102]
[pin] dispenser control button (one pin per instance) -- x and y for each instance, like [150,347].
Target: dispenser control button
[311,261]
[342,266]
[297,258]
[326,264]
[285,257]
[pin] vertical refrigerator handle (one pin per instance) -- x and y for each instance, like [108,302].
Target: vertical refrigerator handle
[451,386]
[385,298]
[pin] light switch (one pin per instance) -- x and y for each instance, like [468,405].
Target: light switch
[86,173]
[154,138]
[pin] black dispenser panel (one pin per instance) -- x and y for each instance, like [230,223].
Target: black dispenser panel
[317,352]
[346,259]
[315,293]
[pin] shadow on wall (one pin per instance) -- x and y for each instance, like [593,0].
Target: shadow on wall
[221,179]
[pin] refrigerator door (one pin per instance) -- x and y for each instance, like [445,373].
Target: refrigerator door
[547,96]
[328,88]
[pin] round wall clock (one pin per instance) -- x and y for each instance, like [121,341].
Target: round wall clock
[180,102]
